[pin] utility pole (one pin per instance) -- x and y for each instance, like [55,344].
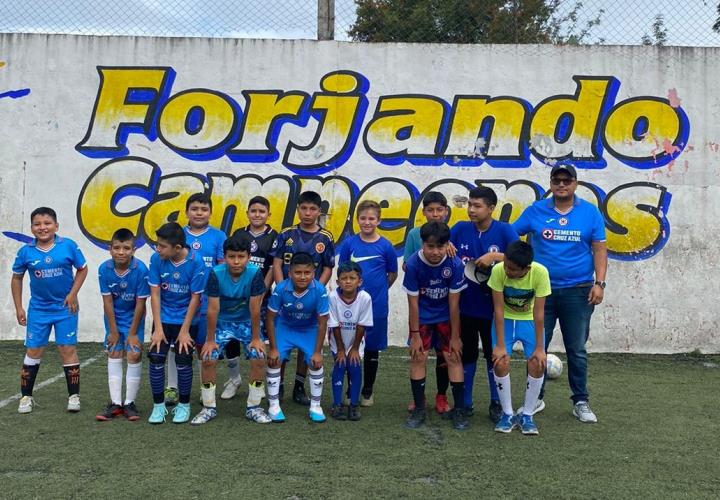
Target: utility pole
[326,20]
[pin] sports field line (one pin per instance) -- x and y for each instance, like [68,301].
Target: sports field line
[47,382]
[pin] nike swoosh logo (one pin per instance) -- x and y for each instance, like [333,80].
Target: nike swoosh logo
[361,259]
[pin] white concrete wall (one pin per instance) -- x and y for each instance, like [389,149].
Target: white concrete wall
[658,187]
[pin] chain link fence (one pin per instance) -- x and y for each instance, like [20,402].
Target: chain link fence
[611,22]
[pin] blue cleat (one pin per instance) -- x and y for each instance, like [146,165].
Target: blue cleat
[181,413]
[317,415]
[527,426]
[158,414]
[506,423]
[276,417]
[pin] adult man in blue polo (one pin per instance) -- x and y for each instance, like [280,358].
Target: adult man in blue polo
[568,237]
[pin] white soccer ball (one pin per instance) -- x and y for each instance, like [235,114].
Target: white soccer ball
[553,366]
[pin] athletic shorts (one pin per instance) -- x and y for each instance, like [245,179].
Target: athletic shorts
[519,329]
[171,332]
[376,336]
[289,338]
[233,331]
[39,324]
[122,343]
[473,329]
[436,336]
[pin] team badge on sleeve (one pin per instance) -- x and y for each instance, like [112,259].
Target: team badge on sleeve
[320,247]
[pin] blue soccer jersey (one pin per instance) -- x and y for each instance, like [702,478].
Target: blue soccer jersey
[471,243]
[293,240]
[177,281]
[208,243]
[125,288]
[376,260]
[563,242]
[51,272]
[235,293]
[299,311]
[433,284]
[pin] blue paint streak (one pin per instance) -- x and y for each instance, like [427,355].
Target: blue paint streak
[18,236]
[15,94]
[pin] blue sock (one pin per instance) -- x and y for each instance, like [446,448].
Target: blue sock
[157,382]
[491,380]
[338,375]
[469,371]
[355,372]
[185,377]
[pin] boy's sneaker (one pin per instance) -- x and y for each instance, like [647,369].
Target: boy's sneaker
[338,412]
[470,411]
[353,413]
[231,388]
[539,406]
[416,418]
[158,414]
[205,415]
[368,401]
[460,421]
[257,415]
[441,404]
[74,403]
[109,412]
[277,416]
[181,413]
[527,426]
[583,413]
[171,396]
[506,423]
[495,411]
[131,412]
[317,415]
[300,397]
[27,403]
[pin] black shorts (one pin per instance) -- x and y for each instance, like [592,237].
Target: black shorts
[171,332]
[473,331]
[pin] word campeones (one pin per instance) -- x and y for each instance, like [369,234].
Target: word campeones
[319,132]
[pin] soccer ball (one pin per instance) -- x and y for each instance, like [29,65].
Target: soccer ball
[553,366]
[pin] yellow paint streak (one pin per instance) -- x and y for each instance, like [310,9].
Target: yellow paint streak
[217,125]
[662,119]
[643,228]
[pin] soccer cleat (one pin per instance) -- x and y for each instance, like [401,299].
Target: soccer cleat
[158,414]
[300,397]
[231,388]
[171,396]
[317,415]
[257,415]
[27,403]
[354,413]
[131,412]
[411,405]
[368,401]
[181,413]
[338,412]
[74,403]
[441,404]
[416,418]
[276,417]
[460,420]
[527,426]
[506,423]
[109,412]
[583,413]
[539,406]
[205,415]
[495,411]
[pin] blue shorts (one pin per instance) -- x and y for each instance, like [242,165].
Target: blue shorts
[39,324]
[122,343]
[522,330]
[240,331]
[288,339]
[376,336]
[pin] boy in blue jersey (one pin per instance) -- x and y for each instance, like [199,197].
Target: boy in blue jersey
[308,237]
[482,240]
[378,261]
[207,242]
[124,288]
[433,282]
[297,319]
[49,259]
[235,292]
[177,279]
[519,288]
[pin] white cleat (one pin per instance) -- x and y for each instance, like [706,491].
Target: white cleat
[27,403]
[231,388]
[74,403]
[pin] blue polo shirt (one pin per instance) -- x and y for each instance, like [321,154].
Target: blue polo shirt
[563,242]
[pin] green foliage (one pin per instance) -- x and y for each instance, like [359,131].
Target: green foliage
[659,32]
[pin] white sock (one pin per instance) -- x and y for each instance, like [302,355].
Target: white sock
[132,381]
[208,395]
[316,386]
[273,387]
[31,361]
[233,368]
[531,393]
[503,387]
[256,391]
[172,379]
[115,376]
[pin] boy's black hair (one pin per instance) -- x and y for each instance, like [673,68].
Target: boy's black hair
[439,232]
[310,197]
[261,200]
[302,259]
[348,267]
[201,198]
[173,233]
[122,234]
[237,243]
[434,197]
[519,253]
[484,193]
[43,211]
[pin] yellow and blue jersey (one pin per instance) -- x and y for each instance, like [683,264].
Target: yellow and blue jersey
[292,240]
